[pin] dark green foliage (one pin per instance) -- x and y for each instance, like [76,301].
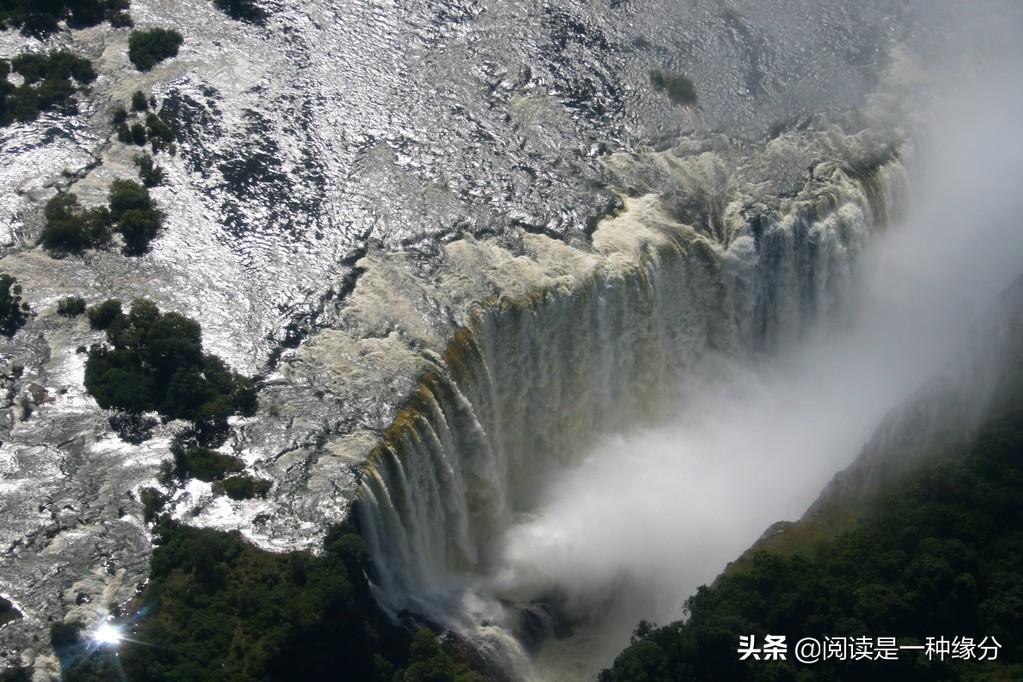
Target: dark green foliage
[939,556]
[224,610]
[152,129]
[203,463]
[155,361]
[138,229]
[160,134]
[242,10]
[119,117]
[136,134]
[130,427]
[153,502]
[139,101]
[218,608]
[680,88]
[72,229]
[103,314]
[150,174]
[245,487]
[134,215]
[40,18]
[146,49]
[13,311]
[50,83]
[430,662]
[71,306]
[38,68]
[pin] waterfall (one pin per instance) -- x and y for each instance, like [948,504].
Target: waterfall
[525,384]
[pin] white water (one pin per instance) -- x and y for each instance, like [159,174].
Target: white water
[650,516]
[493,489]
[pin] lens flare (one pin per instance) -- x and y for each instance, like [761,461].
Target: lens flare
[107,634]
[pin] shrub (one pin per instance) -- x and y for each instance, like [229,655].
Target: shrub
[70,228]
[42,18]
[127,195]
[50,83]
[137,134]
[62,64]
[138,228]
[155,361]
[71,306]
[203,463]
[153,502]
[680,88]
[150,174]
[134,215]
[103,315]
[146,49]
[13,311]
[119,117]
[160,134]
[245,487]
[139,102]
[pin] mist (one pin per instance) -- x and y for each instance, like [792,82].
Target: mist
[650,515]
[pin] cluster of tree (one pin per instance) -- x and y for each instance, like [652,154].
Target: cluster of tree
[242,10]
[155,362]
[939,556]
[680,88]
[43,18]
[13,311]
[148,48]
[131,212]
[143,125]
[218,608]
[49,83]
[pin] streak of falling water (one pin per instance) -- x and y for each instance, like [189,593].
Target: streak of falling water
[650,515]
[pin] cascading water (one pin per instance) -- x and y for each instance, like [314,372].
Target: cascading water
[528,384]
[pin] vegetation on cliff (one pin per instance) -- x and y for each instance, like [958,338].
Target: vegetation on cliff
[49,83]
[219,608]
[938,557]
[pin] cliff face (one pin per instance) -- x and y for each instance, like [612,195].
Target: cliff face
[409,194]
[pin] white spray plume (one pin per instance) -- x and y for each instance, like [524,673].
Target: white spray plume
[649,516]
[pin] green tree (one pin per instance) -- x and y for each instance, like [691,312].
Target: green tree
[13,311]
[70,228]
[139,101]
[71,306]
[146,49]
